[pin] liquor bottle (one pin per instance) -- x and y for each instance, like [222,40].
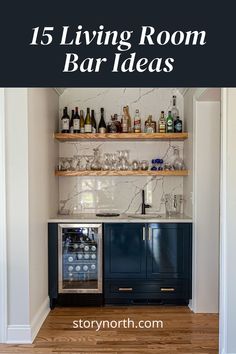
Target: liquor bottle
[71,121]
[65,121]
[137,122]
[81,121]
[94,124]
[102,125]
[76,121]
[162,123]
[169,123]
[111,126]
[149,126]
[127,119]
[178,125]
[174,109]
[88,122]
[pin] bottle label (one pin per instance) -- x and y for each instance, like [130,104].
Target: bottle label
[178,127]
[76,124]
[88,128]
[81,129]
[94,130]
[102,130]
[65,124]
[162,128]
[137,125]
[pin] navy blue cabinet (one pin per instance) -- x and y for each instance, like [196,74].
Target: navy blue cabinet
[125,251]
[147,262]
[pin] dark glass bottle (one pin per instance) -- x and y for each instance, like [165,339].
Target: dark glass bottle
[76,121]
[94,124]
[71,121]
[81,121]
[102,128]
[178,125]
[65,121]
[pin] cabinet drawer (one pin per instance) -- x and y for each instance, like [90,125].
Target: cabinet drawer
[147,289]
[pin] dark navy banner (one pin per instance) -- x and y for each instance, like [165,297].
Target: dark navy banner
[117,43]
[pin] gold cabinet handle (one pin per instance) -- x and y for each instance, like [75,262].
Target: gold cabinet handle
[144,234]
[125,289]
[167,289]
[149,234]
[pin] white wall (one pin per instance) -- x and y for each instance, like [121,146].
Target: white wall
[207,203]
[31,191]
[188,151]
[3,241]
[17,206]
[43,187]
[228,225]
[201,192]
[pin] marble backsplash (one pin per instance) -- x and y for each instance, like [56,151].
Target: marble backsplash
[119,194]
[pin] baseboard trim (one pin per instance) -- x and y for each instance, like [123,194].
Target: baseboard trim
[25,334]
[39,318]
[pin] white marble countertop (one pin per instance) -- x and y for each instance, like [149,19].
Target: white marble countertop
[128,218]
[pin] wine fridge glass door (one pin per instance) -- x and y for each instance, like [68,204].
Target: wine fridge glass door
[80,258]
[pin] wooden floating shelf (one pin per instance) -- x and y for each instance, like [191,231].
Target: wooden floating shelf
[121,173]
[63,137]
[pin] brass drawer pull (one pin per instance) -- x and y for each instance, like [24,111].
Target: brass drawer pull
[167,289]
[125,289]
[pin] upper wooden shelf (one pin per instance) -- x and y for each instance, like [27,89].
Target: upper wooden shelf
[120,136]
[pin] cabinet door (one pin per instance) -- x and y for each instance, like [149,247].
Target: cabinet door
[124,251]
[169,251]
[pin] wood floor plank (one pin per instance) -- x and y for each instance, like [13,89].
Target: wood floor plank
[183,332]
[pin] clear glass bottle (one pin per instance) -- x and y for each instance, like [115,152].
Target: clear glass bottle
[149,128]
[127,119]
[174,109]
[162,123]
[117,123]
[178,162]
[137,122]
[112,126]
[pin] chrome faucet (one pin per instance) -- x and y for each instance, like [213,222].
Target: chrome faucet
[144,206]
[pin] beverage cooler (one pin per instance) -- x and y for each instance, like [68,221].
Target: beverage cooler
[79,258]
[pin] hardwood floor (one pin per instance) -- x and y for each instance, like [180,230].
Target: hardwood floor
[182,332]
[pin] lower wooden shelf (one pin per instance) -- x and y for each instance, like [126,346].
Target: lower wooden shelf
[121,173]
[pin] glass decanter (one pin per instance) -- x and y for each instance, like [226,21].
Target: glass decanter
[96,163]
[178,162]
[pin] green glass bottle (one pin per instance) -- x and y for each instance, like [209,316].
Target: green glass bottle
[88,122]
[169,123]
